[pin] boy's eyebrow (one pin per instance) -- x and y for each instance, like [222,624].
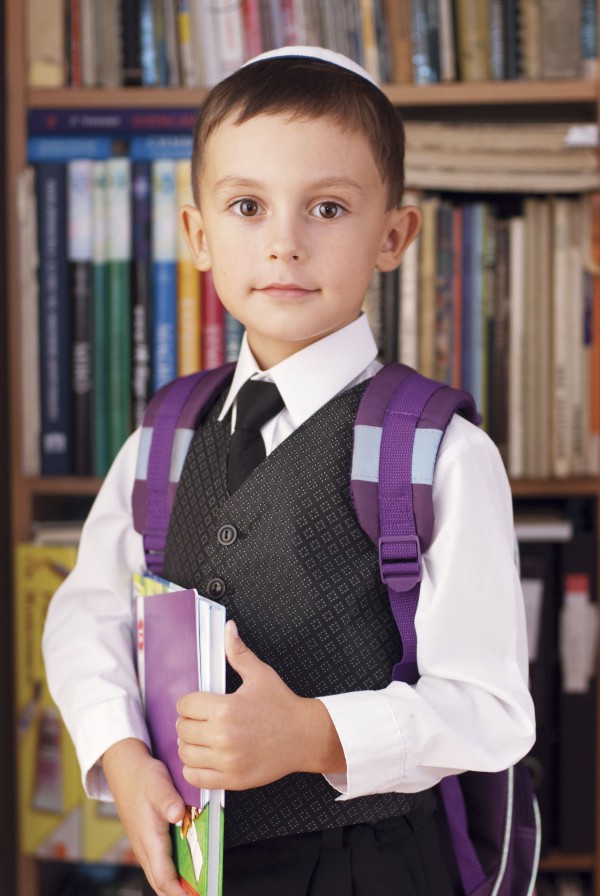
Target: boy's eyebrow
[232,181]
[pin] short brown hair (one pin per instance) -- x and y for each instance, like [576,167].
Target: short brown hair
[306,88]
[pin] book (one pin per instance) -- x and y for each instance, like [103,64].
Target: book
[473,39]
[516,464]
[164,273]
[131,47]
[81,300]
[184,37]
[253,40]
[108,35]
[561,342]
[398,18]
[427,285]
[74,43]
[29,322]
[213,324]
[424,70]
[529,21]
[560,39]
[189,319]
[45,43]
[89,47]
[230,35]
[118,260]
[141,278]
[208,69]
[49,791]
[170,19]
[54,321]
[180,649]
[101,398]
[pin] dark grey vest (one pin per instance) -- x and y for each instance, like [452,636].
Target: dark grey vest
[288,559]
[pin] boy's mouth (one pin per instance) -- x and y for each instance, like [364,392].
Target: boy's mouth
[285,290]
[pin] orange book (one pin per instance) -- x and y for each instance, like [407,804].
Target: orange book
[189,356]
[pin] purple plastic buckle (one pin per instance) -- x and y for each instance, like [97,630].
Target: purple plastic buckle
[391,575]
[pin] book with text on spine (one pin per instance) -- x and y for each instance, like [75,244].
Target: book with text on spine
[181,649]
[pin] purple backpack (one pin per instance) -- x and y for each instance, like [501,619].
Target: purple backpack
[489,822]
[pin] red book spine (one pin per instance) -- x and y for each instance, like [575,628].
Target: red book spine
[213,324]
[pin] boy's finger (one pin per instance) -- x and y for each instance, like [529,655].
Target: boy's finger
[240,657]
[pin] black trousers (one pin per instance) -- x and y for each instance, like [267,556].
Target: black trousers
[396,857]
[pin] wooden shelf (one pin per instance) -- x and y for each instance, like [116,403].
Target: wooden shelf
[457,93]
[560,861]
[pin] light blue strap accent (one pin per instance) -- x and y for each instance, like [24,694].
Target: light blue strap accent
[365,457]
[141,469]
[425,449]
[181,443]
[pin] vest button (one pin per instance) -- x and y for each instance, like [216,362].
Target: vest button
[227,534]
[216,588]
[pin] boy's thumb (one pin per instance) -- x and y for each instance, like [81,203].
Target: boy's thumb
[169,803]
[239,657]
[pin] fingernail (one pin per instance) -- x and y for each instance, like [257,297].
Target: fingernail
[234,630]
[173,814]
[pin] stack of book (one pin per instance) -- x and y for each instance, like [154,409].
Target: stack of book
[502,157]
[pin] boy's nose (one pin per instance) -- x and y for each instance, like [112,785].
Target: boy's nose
[285,241]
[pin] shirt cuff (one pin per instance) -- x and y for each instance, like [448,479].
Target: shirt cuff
[98,729]
[372,742]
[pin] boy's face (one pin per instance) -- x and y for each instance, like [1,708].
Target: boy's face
[292,222]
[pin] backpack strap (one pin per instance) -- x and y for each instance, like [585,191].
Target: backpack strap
[170,421]
[398,430]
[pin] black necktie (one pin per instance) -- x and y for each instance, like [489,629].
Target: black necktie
[257,402]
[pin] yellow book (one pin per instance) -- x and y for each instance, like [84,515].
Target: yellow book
[188,286]
[50,793]
[45,43]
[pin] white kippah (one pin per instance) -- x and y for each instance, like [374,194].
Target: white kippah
[320,53]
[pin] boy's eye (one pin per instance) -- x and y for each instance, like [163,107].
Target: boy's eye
[246,207]
[328,210]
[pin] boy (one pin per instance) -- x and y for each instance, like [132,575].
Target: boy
[297,172]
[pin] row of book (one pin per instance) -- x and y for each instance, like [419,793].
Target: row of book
[559,579]
[501,296]
[195,43]
[113,306]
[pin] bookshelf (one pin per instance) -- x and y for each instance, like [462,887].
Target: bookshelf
[31,496]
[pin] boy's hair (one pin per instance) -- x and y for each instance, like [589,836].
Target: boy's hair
[306,88]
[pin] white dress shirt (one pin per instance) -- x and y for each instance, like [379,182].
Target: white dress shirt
[470,709]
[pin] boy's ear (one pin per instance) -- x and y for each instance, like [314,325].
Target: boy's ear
[190,221]
[402,228]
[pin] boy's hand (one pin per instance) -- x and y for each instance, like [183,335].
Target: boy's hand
[146,801]
[256,735]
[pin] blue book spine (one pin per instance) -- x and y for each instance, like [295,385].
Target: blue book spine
[65,149]
[164,272]
[234,330]
[55,337]
[148,45]
[161,146]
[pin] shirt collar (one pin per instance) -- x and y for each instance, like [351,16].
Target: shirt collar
[313,376]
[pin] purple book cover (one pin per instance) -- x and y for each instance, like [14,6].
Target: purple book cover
[170,670]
